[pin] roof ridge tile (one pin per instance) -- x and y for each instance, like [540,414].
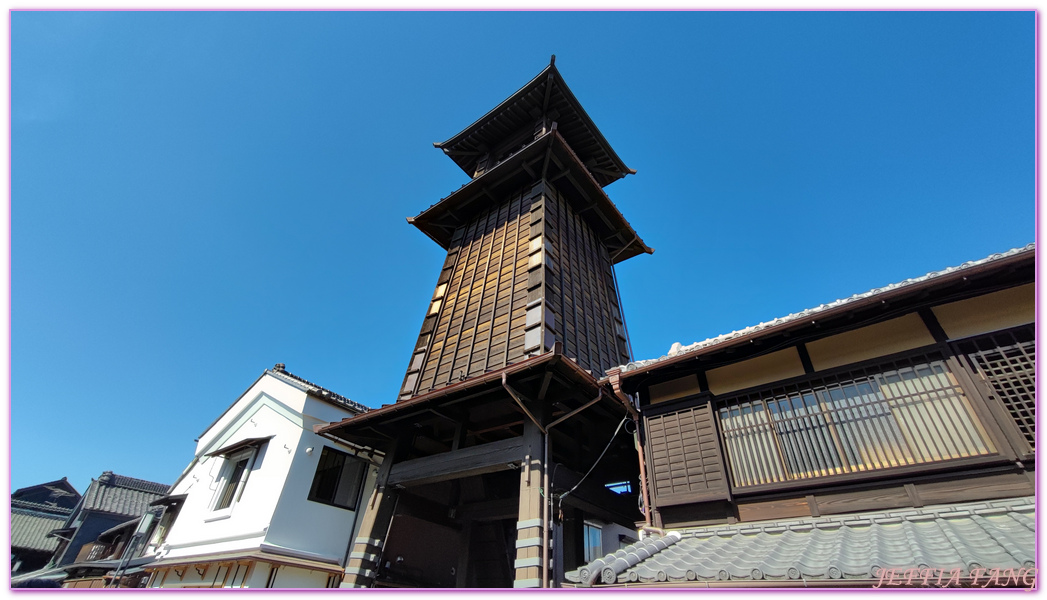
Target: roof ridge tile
[678,349]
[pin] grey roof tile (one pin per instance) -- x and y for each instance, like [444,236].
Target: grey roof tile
[29,528]
[51,509]
[839,547]
[279,371]
[120,495]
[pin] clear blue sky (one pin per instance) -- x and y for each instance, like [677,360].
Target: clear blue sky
[197,196]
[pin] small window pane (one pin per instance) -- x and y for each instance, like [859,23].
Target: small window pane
[231,483]
[593,543]
[337,480]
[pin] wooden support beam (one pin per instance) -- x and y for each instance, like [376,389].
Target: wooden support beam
[475,460]
[577,410]
[614,174]
[548,155]
[490,510]
[426,510]
[530,514]
[521,403]
[499,427]
[558,176]
[599,213]
[548,89]
[464,544]
[545,385]
[459,435]
[455,417]
[429,445]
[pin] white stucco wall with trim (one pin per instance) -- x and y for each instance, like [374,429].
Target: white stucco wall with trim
[328,528]
[273,509]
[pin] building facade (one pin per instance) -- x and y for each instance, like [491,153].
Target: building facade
[891,430]
[265,502]
[112,502]
[35,512]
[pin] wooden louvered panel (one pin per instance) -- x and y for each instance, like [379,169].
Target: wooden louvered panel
[686,465]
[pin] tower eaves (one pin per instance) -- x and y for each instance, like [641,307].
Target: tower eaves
[440,220]
[547,94]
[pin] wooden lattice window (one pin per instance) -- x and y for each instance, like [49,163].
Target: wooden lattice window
[908,412]
[1006,360]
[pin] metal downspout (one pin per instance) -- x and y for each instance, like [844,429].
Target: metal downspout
[643,477]
[630,405]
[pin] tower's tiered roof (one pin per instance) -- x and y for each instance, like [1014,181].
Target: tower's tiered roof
[546,94]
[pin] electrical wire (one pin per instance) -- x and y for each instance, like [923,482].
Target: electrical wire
[605,449]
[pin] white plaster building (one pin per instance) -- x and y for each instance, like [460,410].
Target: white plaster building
[265,502]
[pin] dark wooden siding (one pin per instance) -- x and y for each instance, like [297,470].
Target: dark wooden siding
[580,289]
[532,250]
[478,325]
[684,456]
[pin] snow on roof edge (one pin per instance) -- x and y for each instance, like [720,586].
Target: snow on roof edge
[677,349]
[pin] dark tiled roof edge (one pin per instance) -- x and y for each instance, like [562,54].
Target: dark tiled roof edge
[679,350]
[25,505]
[131,483]
[967,536]
[321,392]
[62,481]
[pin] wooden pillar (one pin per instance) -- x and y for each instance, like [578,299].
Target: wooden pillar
[464,545]
[378,514]
[529,522]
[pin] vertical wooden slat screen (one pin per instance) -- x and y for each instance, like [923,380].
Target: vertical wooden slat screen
[686,465]
[908,412]
[1006,360]
[579,288]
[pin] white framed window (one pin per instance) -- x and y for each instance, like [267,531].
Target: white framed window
[233,478]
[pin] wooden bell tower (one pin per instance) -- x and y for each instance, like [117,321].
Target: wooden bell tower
[504,407]
[531,242]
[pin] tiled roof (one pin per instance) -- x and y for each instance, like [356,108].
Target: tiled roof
[996,534]
[679,350]
[52,509]
[59,490]
[281,373]
[122,495]
[31,522]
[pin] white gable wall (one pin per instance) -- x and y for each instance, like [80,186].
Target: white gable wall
[292,398]
[273,508]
